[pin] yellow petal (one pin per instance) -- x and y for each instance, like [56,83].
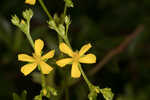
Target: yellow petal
[89,59]
[75,72]
[84,49]
[65,49]
[39,44]
[64,62]
[45,68]
[28,68]
[48,55]
[25,57]
[31,2]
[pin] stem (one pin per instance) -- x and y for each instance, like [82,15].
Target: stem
[30,40]
[65,9]
[67,94]
[67,41]
[43,83]
[66,31]
[60,39]
[45,9]
[84,76]
[29,36]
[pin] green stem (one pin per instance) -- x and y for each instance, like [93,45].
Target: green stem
[67,94]
[45,9]
[43,83]
[60,39]
[29,36]
[65,9]
[84,76]
[66,33]
[67,41]
[30,40]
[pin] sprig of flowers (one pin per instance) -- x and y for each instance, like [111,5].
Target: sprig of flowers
[76,57]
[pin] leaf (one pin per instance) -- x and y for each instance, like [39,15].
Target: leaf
[16,97]
[22,97]
[107,93]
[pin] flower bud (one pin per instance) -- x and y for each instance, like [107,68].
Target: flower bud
[15,20]
[69,3]
[67,20]
[27,14]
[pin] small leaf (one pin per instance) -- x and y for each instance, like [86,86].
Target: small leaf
[23,95]
[92,95]
[16,97]
[38,97]
[107,93]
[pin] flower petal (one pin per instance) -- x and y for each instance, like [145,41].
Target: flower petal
[48,55]
[63,62]
[39,44]
[25,57]
[65,49]
[75,72]
[28,68]
[84,49]
[89,59]
[45,68]
[31,2]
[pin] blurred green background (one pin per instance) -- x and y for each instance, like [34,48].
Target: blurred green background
[104,23]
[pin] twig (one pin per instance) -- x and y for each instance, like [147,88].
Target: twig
[117,50]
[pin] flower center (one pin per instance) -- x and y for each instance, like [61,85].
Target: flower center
[37,58]
[76,56]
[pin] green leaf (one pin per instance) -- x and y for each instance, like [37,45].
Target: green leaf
[16,97]
[92,95]
[22,97]
[107,93]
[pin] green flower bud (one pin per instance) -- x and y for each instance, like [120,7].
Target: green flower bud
[61,29]
[15,20]
[38,97]
[53,91]
[92,95]
[23,26]
[52,24]
[56,18]
[67,20]
[27,14]
[69,3]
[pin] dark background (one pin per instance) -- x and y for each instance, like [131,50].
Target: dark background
[104,23]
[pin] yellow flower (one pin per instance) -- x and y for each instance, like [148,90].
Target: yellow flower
[30,2]
[76,58]
[37,59]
